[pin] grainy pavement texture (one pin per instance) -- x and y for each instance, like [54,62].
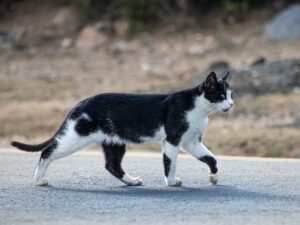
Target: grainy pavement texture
[250,191]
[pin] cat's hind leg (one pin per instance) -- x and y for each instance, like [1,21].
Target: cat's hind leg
[44,162]
[114,154]
[66,142]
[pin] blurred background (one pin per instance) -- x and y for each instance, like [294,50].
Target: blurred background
[55,53]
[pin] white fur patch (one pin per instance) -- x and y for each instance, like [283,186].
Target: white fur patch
[173,183]
[86,116]
[159,135]
[71,142]
[171,152]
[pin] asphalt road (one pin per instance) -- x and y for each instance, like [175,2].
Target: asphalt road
[82,192]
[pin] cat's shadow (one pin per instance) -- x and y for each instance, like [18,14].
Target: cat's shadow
[183,192]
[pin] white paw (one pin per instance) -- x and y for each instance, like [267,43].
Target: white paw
[213,178]
[174,183]
[136,182]
[42,182]
[130,181]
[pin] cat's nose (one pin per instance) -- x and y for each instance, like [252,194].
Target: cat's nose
[231,104]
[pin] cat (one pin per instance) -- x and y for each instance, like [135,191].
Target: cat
[178,120]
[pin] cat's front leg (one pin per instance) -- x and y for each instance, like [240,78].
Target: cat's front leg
[170,153]
[201,152]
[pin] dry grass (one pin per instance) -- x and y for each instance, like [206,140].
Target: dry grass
[267,142]
[262,126]
[270,105]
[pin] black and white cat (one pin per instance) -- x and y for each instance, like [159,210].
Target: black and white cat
[178,120]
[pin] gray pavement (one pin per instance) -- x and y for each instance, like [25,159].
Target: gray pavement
[82,192]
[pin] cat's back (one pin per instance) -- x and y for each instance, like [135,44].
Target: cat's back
[125,100]
[122,104]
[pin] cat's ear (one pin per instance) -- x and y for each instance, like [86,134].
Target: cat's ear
[211,80]
[225,76]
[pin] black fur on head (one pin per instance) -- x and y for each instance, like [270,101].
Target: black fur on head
[214,90]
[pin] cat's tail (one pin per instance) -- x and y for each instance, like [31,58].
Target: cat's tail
[31,148]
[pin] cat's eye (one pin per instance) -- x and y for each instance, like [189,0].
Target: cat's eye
[223,96]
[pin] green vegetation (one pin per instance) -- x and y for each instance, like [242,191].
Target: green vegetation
[143,14]
[233,6]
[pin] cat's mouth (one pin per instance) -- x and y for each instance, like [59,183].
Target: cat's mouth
[225,110]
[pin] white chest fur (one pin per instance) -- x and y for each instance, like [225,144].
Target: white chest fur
[197,119]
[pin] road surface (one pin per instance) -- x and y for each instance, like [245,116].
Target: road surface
[81,192]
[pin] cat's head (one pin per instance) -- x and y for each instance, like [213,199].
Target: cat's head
[217,92]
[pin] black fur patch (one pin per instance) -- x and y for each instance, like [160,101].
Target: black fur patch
[211,162]
[129,116]
[49,149]
[167,164]
[84,126]
[113,155]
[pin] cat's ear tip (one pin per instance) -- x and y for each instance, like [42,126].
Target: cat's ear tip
[211,76]
[212,73]
[225,76]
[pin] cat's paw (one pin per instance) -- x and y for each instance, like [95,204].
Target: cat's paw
[132,181]
[174,183]
[42,182]
[136,182]
[213,178]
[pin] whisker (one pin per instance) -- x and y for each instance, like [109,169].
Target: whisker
[230,113]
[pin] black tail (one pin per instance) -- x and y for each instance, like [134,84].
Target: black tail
[31,148]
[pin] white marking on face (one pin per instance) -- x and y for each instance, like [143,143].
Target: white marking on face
[229,97]
[227,103]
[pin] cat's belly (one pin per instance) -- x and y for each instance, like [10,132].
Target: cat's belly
[159,135]
[100,137]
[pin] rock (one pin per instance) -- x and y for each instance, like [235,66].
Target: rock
[65,21]
[259,61]
[286,25]
[6,40]
[89,38]
[66,43]
[282,76]
[64,16]
[145,67]
[120,46]
[196,49]
[104,26]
